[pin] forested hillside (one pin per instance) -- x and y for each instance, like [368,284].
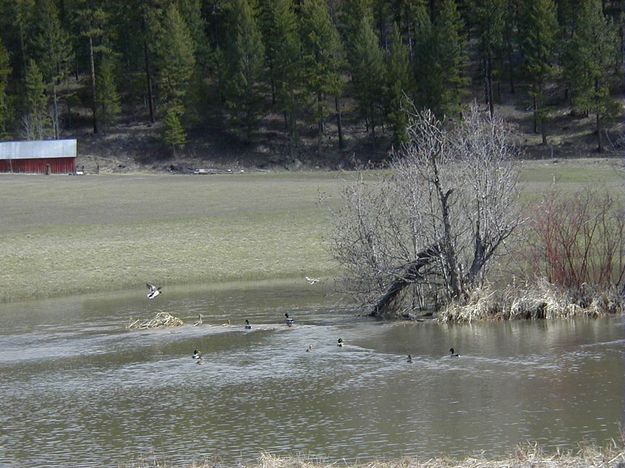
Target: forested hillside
[303,80]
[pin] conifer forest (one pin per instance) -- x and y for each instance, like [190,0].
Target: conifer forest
[305,77]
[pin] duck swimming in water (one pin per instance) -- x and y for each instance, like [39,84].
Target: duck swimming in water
[288,320]
[247,325]
[197,354]
[452,353]
[309,349]
[409,359]
[339,342]
[153,290]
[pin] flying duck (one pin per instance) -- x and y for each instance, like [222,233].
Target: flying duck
[288,320]
[247,325]
[452,353]
[339,342]
[312,280]
[153,290]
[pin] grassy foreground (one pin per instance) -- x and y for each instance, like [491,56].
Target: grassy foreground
[62,235]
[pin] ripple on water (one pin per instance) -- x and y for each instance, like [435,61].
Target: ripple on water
[94,393]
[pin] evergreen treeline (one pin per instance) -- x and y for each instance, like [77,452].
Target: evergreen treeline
[310,64]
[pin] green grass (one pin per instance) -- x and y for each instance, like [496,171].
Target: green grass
[63,235]
[571,175]
[72,235]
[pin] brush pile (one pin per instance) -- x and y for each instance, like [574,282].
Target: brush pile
[160,320]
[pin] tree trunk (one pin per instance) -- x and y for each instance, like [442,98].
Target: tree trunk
[489,78]
[93,85]
[148,79]
[320,123]
[55,105]
[535,113]
[510,73]
[339,123]
[409,274]
[599,141]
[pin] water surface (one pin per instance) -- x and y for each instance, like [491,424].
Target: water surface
[77,388]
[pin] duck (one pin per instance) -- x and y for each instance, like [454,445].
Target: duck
[309,349]
[288,320]
[409,359]
[197,354]
[153,290]
[452,353]
[199,320]
[339,342]
[247,325]
[312,280]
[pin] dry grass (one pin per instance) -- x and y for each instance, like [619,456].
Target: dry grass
[540,300]
[529,455]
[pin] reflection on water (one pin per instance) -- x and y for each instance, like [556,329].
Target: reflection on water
[78,388]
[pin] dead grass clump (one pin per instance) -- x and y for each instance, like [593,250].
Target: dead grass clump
[525,456]
[482,304]
[529,455]
[160,320]
[539,300]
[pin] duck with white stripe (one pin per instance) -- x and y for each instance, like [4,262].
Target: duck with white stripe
[153,291]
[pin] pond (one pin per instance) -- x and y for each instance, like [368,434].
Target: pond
[78,388]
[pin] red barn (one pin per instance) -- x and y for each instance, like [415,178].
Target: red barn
[38,157]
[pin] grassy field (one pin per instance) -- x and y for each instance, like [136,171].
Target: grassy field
[62,235]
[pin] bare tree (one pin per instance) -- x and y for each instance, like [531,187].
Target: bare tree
[428,231]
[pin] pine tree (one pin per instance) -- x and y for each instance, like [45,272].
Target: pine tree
[49,46]
[510,38]
[36,120]
[322,54]
[173,134]
[108,98]
[191,12]
[92,22]
[283,49]
[399,86]
[422,57]
[537,30]
[590,57]
[448,82]
[352,13]
[245,58]
[368,73]
[195,101]
[489,19]
[15,17]
[175,59]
